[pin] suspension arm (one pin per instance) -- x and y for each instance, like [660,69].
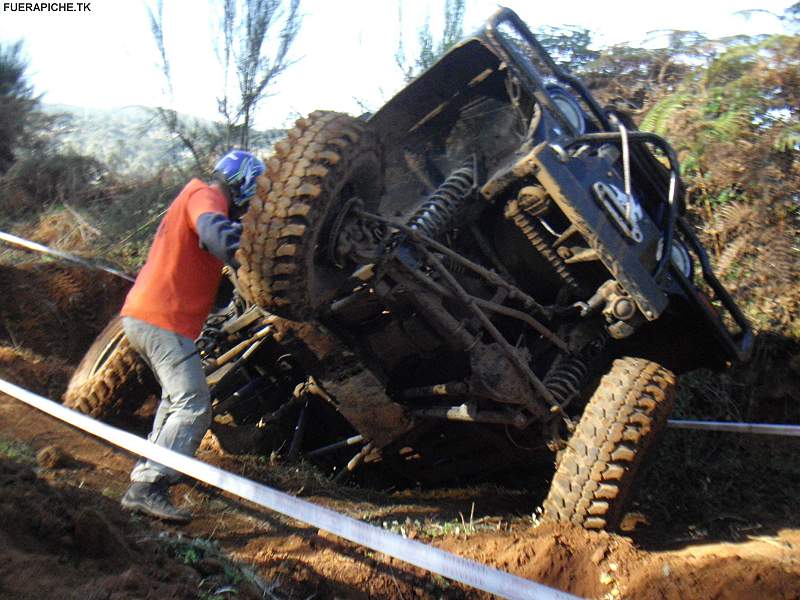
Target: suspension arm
[493,307]
[507,349]
[420,239]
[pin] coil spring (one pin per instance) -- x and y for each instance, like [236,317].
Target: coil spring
[566,378]
[440,211]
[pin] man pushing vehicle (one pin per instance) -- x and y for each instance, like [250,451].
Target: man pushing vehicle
[165,311]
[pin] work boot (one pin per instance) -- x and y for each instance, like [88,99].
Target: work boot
[153,499]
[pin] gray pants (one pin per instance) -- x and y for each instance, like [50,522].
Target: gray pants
[184,413]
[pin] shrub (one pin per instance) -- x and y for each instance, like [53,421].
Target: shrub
[32,184]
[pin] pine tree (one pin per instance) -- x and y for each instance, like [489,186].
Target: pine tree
[17,102]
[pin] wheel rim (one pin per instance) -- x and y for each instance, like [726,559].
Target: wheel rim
[108,350]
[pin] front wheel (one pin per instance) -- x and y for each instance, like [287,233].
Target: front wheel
[595,476]
[326,160]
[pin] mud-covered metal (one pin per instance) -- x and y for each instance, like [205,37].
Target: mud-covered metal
[630,261]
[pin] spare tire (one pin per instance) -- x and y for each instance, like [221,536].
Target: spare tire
[326,159]
[595,476]
[111,378]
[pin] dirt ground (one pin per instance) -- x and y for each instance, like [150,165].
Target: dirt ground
[62,534]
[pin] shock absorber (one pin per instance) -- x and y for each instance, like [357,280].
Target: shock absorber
[440,212]
[565,379]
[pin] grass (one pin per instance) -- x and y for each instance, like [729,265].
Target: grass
[430,529]
[223,577]
[17,451]
[118,226]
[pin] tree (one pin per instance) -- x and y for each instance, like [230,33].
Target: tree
[246,31]
[569,46]
[17,103]
[429,49]
[251,60]
[790,17]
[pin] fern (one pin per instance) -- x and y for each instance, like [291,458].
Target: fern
[730,255]
[728,126]
[729,217]
[658,118]
[731,65]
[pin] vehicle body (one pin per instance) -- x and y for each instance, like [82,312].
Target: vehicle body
[482,249]
[491,251]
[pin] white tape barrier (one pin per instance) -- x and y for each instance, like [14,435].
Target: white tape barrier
[418,554]
[761,428]
[42,249]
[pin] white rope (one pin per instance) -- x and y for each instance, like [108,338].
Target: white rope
[626,169]
[626,163]
[42,249]
[761,428]
[416,553]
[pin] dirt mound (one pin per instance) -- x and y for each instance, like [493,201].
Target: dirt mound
[727,574]
[46,376]
[600,565]
[46,527]
[555,554]
[54,543]
[56,310]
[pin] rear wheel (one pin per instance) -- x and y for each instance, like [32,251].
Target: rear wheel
[111,378]
[326,160]
[596,473]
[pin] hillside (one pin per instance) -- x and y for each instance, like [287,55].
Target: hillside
[131,140]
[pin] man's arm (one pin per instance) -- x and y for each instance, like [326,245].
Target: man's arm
[220,236]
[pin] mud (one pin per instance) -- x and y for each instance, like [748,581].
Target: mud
[43,375]
[62,534]
[54,310]
[72,543]
[49,315]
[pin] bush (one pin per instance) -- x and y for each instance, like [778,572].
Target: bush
[33,184]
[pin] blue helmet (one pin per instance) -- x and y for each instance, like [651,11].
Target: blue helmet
[240,169]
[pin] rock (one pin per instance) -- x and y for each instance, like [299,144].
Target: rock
[52,457]
[598,555]
[632,520]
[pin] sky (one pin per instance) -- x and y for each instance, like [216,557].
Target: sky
[343,56]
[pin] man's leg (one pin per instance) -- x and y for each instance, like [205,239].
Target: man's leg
[183,415]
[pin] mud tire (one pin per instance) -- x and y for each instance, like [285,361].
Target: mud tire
[111,378]
[326,159]
[595,476]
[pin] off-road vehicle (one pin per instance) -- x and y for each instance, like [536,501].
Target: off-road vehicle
[492,258]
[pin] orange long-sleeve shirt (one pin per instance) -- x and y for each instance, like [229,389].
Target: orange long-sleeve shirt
[175,289]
